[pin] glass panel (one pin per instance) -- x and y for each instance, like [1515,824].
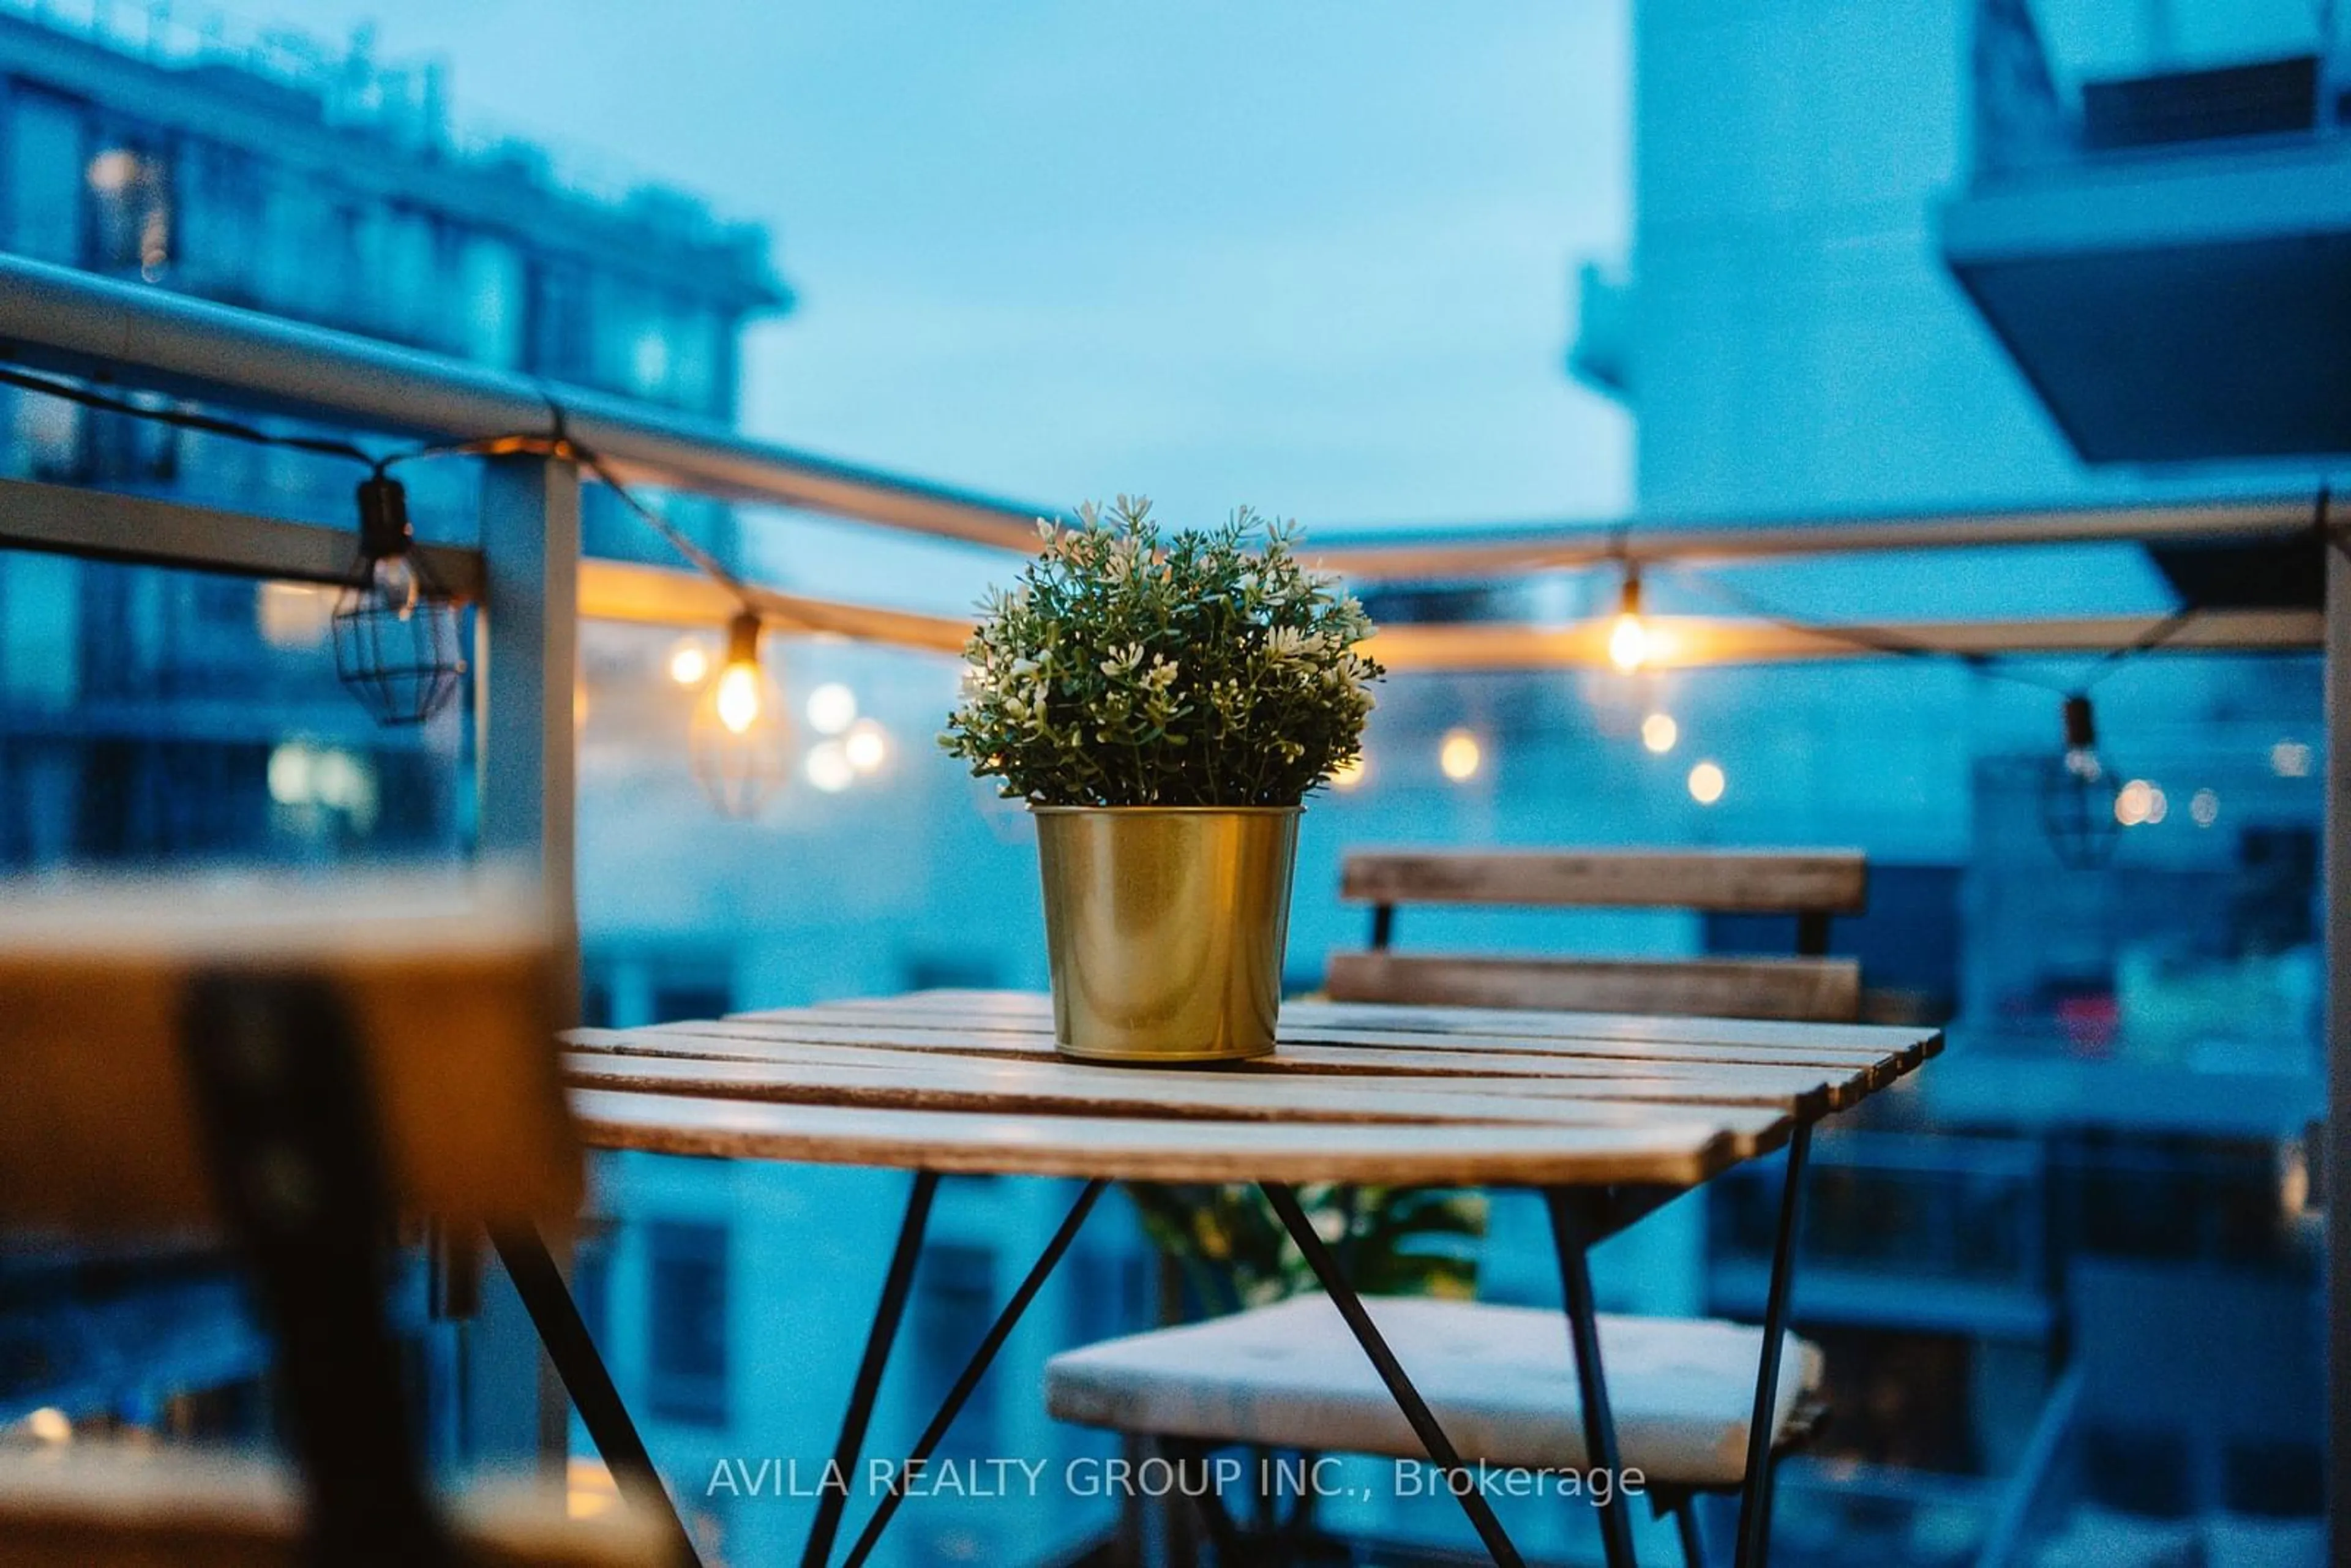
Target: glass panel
[150,716]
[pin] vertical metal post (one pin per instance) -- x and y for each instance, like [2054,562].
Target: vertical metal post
[526,665]
[2338,1047]
[527,660]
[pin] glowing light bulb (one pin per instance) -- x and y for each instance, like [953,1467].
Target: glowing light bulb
[828,766]
[2140,804]
[738,702]
[689,664]
[831,709]
[738,735]
[1458,756]
[866,745]
[1706,783]
[1659,732]
[1628,638]
[1348,774]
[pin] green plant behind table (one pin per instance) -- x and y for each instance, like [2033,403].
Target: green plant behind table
[1233,1252]
[1133,668]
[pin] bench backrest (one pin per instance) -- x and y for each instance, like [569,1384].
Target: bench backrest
[1813,885]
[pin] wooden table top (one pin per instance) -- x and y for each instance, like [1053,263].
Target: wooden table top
[967,1081]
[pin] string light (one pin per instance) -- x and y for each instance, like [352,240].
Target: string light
[1706,783]
[831,709]
[1659,732]
[391,590]
[866,745]
[689,663]
[2080,807]
[736,743]
[2140,804]
[1458,756]
[827,767]
[1349,774]
[397,647]
[1628,635]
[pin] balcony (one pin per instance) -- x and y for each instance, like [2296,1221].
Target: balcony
[2157,233]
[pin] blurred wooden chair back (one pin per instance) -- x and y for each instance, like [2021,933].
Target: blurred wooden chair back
[298,1067]
[1812,885]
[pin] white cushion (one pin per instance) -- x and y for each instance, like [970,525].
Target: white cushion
[1501,1381]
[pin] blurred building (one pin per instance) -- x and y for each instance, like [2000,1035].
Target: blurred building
[145,715]
[1948,256]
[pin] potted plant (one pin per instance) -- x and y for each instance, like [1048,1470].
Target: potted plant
[1164,703]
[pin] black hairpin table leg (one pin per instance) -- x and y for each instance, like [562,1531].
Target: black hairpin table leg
[1573,1227]
[1415,1409]
[981,1359]
[585,1377]
[896,1286]
[1755,1496]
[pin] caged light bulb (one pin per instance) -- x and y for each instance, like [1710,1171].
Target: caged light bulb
[738,738]
[2079,792]
[398,638]
[1628,638]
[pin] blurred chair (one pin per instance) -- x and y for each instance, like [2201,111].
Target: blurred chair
[1814,886]
[299,1070]
[1501,1379]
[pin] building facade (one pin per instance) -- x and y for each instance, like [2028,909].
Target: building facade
[1854,222]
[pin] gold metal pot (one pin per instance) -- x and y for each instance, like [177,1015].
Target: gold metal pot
[1165,925]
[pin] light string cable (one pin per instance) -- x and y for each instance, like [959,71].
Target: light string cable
[557,441]
[1876,640]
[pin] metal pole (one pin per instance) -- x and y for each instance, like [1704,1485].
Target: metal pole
[526,658]
[2338,1047]
[556,1317]
[1755,1496]
[974,1370]
[1572,1232]
[1459,1477]
[896,1286]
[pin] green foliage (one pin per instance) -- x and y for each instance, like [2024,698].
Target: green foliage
[1390,1241]
[1129,667]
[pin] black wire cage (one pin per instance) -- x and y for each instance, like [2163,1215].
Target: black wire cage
[400,637]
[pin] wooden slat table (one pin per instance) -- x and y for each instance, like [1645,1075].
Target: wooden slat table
[1608,1114]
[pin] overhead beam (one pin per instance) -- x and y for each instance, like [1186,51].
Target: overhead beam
[1467,554]
[143,530]
[147,531]
[1693,642]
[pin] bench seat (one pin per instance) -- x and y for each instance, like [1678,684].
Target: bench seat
[1501,1379]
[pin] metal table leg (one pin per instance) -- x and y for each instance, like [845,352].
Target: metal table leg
[1573,1225]
[895,1285]
[1755,1496]
[585,1377]
[982,1358]
[1415,1409]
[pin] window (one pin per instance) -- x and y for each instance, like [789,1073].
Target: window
[687,1314]
[130,209]
[41,177]
[490,292]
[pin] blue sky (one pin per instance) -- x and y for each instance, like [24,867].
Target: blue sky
[1313,257]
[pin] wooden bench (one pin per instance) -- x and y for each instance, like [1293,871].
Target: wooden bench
[298,1069]
[1503,1380]
[1812,885]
